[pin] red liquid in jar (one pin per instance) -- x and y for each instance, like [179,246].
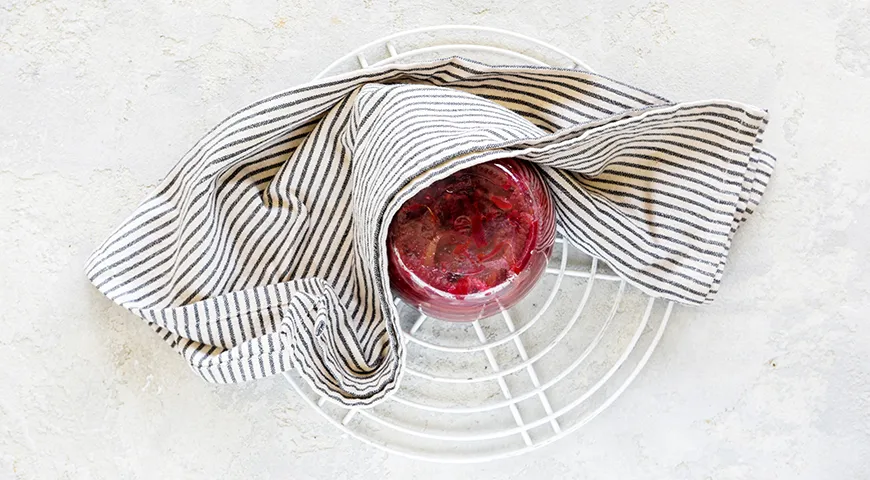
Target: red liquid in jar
[473,242]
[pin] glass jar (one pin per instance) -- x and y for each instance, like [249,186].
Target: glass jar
[473,243]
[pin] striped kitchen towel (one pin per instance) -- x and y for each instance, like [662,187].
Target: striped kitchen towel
[264,247]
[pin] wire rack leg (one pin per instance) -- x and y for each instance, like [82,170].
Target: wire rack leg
[533,374]
[501,383]
[392,49]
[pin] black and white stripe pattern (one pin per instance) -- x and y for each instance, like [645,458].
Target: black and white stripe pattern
[264,247]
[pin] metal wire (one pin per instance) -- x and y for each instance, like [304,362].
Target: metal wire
[437,439]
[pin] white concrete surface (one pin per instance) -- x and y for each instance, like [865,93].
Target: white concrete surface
[98,99]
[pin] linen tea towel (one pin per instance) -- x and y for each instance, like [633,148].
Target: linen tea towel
[264,247]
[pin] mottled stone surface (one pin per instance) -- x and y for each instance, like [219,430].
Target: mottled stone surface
[99,98]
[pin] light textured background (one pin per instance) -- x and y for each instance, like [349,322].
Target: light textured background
[99,98]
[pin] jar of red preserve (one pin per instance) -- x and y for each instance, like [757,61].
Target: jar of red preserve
[474,242]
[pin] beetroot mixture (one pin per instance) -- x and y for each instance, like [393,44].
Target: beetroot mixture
[470,233]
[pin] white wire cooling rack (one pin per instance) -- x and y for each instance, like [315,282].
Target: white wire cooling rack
[517,381]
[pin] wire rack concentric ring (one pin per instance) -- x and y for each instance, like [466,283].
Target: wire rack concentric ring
[508,384]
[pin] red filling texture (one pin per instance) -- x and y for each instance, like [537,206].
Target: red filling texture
[473,242]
